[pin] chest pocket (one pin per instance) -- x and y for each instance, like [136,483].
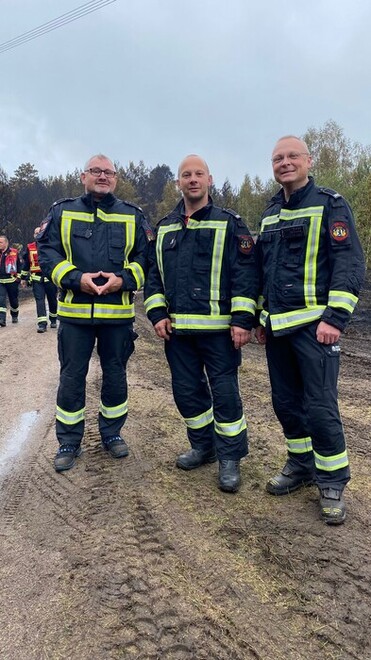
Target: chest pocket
[116,244]
[293,241]
[203,247]
[82,231]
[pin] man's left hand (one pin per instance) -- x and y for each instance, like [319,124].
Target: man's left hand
[240,336]
[114,283]
[327,334]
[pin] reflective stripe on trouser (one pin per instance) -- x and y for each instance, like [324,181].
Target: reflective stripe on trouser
[10,290]
[211,406]
[40,290]
[303,375]
[115,343]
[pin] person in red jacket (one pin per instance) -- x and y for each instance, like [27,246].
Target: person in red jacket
[42,286]
[10,276]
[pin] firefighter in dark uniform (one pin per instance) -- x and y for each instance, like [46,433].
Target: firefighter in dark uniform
[10,276]
[41,286]
[94,248]
[312,268]
[201,297]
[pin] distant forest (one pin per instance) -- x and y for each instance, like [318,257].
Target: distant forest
[339,163]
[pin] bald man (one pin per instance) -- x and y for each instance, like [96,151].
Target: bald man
[312,268]
[201,297]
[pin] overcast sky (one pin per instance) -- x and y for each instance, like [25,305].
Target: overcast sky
[154,80]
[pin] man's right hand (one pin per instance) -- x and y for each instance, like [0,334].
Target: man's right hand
[260,335]
[163,329]
[87,285]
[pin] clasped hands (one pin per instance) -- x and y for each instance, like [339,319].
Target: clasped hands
[87,285]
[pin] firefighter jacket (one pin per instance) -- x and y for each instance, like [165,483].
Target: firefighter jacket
[310,259]
[203,273]
[84,236]
[10,266]
[31,270]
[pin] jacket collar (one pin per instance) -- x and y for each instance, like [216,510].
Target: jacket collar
[296,197]
[106,201]
[197,215]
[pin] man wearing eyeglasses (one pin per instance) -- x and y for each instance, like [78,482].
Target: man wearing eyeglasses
[312,268]
[94,248]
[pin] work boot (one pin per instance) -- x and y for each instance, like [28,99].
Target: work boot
[41,327]
[332,505]
[194,458]
[53,324]
[229,476]
[14,319]
[65,457]
[2,324]
[116,446]
[289,480]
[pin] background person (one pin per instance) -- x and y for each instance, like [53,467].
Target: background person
[94,248]
[312,268]
[10,275]
[42,287]
[201,297]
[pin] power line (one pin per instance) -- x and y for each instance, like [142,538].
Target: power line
[60,21]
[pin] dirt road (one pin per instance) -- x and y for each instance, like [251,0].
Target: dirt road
[135,559]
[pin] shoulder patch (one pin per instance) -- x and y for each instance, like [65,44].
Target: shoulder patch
[245,243]
[339,231]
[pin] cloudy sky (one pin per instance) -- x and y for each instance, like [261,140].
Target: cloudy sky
[154,80]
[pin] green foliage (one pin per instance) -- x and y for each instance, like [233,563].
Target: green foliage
[338,163]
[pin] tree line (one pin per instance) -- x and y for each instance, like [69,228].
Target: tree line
[338,163]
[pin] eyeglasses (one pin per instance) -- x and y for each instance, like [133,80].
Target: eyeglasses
[96,171]
[294,155]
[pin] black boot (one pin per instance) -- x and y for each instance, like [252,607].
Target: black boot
[332,505]
[229,476]
[289,480]
[194,458]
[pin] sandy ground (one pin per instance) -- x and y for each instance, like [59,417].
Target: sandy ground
[135,559]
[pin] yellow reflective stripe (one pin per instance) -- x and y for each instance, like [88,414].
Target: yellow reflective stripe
[269,220]
[201,420]
[70,417]
[342,299]
[230,429]
[116,217]
[288,214]
[220,227]
[106,311]
[138,273]
[241,304]
[42,319]
[260,304]
[207,224]
[200,322]
[79,311]
[60,270]
[66,224]
[310,264]
[331,463]
[177,226]
[295,318]
[156,300]
[263,318]
[113,411]
[299,445]
[7,280]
